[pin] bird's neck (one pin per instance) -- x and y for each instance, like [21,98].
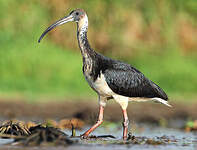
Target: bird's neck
[86,51]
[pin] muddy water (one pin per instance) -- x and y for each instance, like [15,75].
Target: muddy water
[178,140]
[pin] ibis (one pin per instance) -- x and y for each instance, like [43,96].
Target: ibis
[109,78]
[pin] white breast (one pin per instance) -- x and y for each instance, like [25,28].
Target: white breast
[100,85]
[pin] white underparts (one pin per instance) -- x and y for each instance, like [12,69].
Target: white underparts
[161,101]
[104,91]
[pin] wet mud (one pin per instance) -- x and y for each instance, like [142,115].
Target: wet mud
[59,126]
[87,111]
[157,138]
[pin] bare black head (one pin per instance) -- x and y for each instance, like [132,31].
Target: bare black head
[74,16]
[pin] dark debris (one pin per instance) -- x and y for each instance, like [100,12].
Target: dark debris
[14,128]
[40,134]
[35,135]
[144,140]
[101,136]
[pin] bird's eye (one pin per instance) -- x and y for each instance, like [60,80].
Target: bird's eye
[77,13]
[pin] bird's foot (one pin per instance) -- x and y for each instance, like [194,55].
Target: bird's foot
[84,136]
[130,136]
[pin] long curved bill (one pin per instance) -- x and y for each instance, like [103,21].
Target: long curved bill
[57,23]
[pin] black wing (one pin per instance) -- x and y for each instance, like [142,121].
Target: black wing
[125,80]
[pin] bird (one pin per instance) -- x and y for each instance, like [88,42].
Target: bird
[109,78]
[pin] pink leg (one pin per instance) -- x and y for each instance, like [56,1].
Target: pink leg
[98,123]
[125,124]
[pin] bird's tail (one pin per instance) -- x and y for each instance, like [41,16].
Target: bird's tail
[159,100]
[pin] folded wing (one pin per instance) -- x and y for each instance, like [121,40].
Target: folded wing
[125,80]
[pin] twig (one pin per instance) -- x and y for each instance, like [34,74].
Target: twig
[103,136]
[12,136]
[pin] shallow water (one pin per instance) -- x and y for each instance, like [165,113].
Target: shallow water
[178,140]
[5,141]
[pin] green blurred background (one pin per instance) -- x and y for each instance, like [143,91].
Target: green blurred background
[159,37]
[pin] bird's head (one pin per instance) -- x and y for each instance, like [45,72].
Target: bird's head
[79,16]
